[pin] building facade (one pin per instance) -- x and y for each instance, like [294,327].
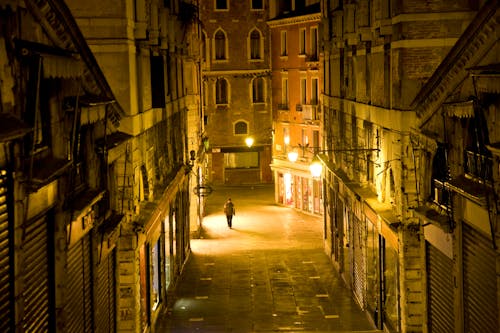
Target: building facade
[411,171]
[458,139]
[296,84]
[237,90]
[96,165]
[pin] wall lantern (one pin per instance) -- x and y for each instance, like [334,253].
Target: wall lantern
[249,141]
[293,156]
[316,168]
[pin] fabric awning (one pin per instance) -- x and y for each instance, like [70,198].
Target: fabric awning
[55,66]
[459,109]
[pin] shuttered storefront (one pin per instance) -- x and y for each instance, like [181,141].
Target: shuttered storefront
[78,308]
[358,261]
[440,291]
[5,257]
[36,277]
[480,283]
[105,312]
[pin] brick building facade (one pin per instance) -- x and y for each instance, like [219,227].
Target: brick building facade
[237,90]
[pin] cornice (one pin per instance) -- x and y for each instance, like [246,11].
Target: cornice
[239,72]
[295,20]
[476,40]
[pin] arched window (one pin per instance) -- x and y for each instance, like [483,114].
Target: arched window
[241,128]
[220,45]
[255,52]
[258,90]
[221,91]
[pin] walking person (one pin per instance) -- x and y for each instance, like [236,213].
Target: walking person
[229,211]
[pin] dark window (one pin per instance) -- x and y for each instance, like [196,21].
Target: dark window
[255,45]
[258,90]
[221,91]
[220,45]
[157,82]
[220,4]
[241,128]
[37,107]
[257,4]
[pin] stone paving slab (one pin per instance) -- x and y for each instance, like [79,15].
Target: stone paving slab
[269,273]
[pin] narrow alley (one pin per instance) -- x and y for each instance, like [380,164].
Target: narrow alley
[269,273]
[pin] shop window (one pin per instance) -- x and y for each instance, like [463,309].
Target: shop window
[240,160]
[155,265]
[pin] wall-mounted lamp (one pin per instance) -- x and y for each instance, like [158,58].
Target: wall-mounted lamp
[293,156]
[316,168]
[249,141]
[190,163]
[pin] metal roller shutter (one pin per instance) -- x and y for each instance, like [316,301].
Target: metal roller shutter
[78,308]
[358,262]
[440,291]
[36,277]
[5,267]
[480,283]
[105,312]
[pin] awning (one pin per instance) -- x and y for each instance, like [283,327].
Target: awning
[12,128]
[92,108]
[486,78]
[460,109]
[61,67]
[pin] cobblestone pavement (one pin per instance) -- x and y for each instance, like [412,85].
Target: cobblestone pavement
[269,273]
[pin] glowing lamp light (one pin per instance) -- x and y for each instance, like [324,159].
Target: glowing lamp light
[293,156]
[316,168]
[249,141]
[287,140]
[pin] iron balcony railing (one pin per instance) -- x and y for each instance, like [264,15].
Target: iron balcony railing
[478,166]
[441,194]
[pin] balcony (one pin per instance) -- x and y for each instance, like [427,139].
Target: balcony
[283,106]
[310,112]
[478,166]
